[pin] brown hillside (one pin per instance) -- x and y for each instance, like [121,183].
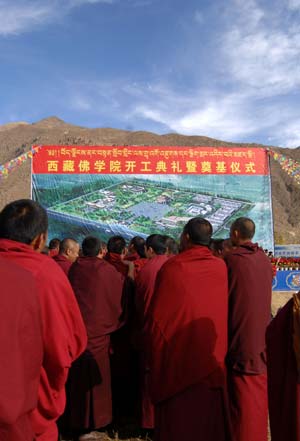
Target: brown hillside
[16,138]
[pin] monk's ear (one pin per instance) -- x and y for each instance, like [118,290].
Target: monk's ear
[39,242]
[234,236]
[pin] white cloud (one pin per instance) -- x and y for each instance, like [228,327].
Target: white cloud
[235,117]
[15,18]
[260,55]
[18,16]
[294,4]
[288,135]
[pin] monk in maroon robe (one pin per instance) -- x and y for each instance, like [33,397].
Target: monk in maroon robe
[53,248]
[250,289]
[136,254]
[21,351]
[98,288]
[23,232]
[68,253]
[156,250]
[116,252]
[123,359]
[283,360]
[186,326]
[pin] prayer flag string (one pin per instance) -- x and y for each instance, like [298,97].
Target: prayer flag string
[289,165]
[11,165]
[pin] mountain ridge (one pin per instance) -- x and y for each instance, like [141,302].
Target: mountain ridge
[17,138]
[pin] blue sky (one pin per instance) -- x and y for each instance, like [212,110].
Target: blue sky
[225,69]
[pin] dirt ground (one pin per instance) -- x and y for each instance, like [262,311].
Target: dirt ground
[279,299]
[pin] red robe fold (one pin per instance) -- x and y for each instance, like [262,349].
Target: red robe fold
[63,262]
[21,351]
[283,381]
[116,260]
[145,284]
[250,289]
[187,332]
[64,334]
[139,262]
[98,288]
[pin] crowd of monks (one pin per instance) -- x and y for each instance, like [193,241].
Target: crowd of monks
[178,335]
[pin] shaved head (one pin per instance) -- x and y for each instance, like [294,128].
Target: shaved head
[242,230]
[69,248]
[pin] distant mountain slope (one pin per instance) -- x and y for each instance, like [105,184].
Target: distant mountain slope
[16,138]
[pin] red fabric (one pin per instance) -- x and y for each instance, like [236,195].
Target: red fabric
[50,434]
[63,262]
[198,413]
[132,257]
[53,252]
[283,384]
[250,289]
[98,288]
[64,334]
[249,406]
[116,260]
[145,284]
[187,323]
[139,264]
[21,351]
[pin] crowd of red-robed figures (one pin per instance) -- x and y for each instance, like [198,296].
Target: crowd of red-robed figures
[182,339]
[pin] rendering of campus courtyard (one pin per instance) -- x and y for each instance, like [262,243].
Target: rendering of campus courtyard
[142,205]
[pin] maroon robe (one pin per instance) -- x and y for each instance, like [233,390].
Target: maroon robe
[64,334]
[116,260]
[283,378]
[139,262]
[145,283]
[250,289]
[186,326]
[98,288]
[63,262]
[21,351]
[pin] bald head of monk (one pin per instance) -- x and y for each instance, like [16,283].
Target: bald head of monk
[69,248]
[155,245]
[24,221]
[197,231]
[242,230]
[93,247]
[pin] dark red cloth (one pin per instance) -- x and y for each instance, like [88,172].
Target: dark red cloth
[53,252]
[21,351]
[186,326]
[248,406]
[250,289]
[116,260]
[139,262]
[132,257]
[283,383]
[198,413]
[63,262]
[98,288]
[145,283]
[64,334]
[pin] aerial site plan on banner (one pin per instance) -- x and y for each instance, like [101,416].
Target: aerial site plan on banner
[134,190]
